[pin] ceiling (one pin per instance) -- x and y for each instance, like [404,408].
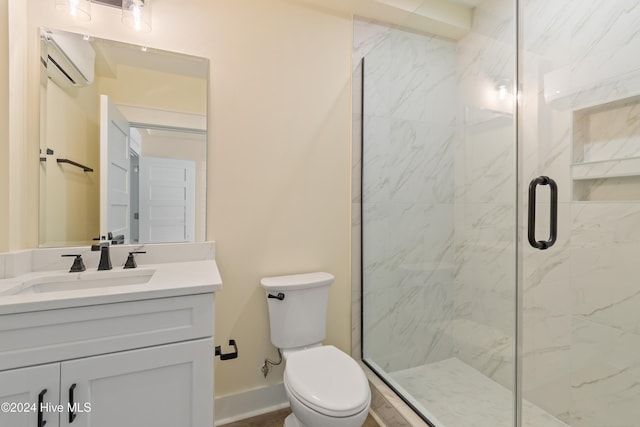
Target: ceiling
[468,3]
[111,54]
[447,18]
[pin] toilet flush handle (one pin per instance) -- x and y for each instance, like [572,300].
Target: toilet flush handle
[280,296]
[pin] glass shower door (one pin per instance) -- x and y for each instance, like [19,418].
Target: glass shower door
[439,211]
[449,291]
[580,122]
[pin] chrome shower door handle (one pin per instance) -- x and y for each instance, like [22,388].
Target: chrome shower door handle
[553,220]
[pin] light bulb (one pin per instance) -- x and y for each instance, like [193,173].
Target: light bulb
[76,9]
[137,14]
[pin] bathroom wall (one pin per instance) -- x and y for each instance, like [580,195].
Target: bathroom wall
[409,126]
[281,166]
[278,154]
[22,194]
[4,127]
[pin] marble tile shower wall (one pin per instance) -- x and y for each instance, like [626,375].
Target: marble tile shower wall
[581,314]
[485,209]
[409,116]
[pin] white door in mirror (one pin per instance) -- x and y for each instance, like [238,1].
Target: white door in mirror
[167,200]
[115,197]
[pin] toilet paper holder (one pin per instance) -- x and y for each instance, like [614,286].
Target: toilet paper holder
[227,356]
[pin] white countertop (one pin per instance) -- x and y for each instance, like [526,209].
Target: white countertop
[169,279]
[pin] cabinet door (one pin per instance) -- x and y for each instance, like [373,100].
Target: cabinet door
[164,386]
[21,389]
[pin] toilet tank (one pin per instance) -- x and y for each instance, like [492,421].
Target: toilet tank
[298,313]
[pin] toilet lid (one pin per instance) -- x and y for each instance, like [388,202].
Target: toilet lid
[328,381]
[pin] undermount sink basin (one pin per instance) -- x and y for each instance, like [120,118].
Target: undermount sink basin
[86,280]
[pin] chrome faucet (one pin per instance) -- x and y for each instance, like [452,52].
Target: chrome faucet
[105,259]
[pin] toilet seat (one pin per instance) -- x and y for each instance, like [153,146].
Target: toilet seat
[328,381]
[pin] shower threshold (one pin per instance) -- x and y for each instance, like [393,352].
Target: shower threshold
[453,394]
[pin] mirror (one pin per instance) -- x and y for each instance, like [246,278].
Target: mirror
[122,142]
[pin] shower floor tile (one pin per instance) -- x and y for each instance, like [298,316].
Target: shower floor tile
[457,395]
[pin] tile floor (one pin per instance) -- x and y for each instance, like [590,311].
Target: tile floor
[276,419]
[457,395]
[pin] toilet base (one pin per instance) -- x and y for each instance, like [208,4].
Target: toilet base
[316,419]
[312,418]
[292,421]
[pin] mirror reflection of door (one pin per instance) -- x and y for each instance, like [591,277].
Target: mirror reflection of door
[157,92]
[148,178]
[114,172]
[166,200]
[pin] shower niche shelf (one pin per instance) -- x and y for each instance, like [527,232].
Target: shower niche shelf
[606,152]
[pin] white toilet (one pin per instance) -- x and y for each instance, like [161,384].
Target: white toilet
[325,387]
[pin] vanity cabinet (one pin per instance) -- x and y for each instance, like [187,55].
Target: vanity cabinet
[132,364]
[29,386]
[159,386]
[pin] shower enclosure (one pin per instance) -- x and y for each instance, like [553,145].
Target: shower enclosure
[469,322]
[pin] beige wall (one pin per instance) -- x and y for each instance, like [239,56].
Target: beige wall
[279,151]
[280,167]
[22,146]
[4,128]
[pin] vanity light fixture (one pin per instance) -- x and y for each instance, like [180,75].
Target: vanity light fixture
[137,14]
[77,9]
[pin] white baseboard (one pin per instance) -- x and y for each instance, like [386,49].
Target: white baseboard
[250,403]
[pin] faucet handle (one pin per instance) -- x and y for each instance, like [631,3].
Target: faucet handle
[78,264]
[131,261]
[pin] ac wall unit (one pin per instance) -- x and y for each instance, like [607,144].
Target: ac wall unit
[68,58]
